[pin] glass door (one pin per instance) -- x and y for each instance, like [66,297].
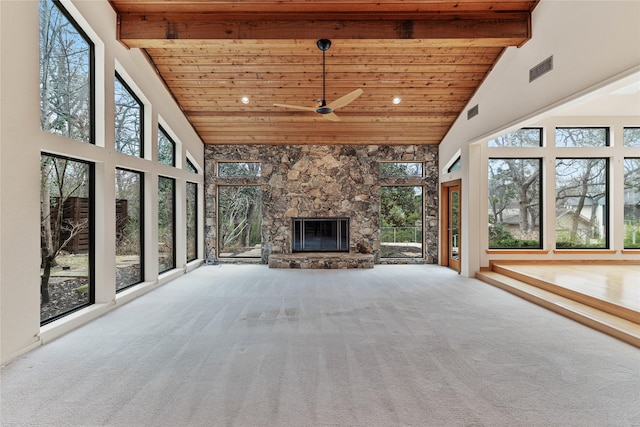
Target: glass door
[453,227]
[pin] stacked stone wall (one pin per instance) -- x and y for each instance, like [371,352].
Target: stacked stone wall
[323,181]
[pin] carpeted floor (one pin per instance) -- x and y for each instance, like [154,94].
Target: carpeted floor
[244,345]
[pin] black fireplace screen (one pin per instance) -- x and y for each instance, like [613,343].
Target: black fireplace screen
[321,235]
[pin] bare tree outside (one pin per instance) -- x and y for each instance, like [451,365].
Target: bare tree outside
[192,221]
[581,203]
[128,120]
[525,137]
[128,228]
[632,203]
[166,148]
[66,59]
[166,224]
[239,169]
[65,241]
[239,221]
[514,203]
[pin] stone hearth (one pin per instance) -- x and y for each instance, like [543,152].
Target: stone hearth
[321,261]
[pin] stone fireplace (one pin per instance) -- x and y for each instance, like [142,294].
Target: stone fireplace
[301,184]
[320,235]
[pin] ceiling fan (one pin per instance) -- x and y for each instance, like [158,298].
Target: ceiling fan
[327,110]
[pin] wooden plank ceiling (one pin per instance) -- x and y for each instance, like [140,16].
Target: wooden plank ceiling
[430,54]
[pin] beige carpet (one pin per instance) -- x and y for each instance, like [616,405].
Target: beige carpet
[244,345]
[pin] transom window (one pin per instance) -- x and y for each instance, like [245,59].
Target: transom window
[525,137]
[631,137]
[66,75]
[191,167]
[582,137]
[239,169]
[128,120]
[166,148]
[401,169]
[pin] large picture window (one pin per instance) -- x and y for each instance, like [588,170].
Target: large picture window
[66,75]
[239,221]
[166,224]
[401,221]
[66,242]
[129,120]
[192,221]
[129,228]
[514,203]
[581,203]
[632,203]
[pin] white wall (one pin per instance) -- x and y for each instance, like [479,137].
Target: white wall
[593,43]
[22,141]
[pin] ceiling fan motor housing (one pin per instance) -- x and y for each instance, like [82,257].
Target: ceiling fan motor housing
[323,44]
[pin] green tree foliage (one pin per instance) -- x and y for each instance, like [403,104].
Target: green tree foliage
[401,206]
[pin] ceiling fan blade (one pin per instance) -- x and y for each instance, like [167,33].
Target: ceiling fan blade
[331,116]
[295,107]
[341,102]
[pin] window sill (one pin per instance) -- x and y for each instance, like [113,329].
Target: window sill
[518,251]
[631,251]
[585,251]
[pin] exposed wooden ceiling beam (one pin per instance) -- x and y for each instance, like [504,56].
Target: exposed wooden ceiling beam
[154,30]
[287,6]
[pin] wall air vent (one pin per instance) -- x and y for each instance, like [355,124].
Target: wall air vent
[472,112]
[542,68]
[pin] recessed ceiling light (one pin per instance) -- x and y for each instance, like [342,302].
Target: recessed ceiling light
[244,99]
[397,100]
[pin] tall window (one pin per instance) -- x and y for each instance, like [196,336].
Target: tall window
[581,203]
[632,203]
[129,228]
[192,221]
[129,120]
[401,221]
[239,221]
[514,203]
[66,75]
[166,224]
[166,148]
[66,212]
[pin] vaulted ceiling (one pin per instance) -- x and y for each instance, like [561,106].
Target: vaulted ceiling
[430,54]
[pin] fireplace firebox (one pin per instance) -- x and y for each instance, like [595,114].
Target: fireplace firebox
[321,235]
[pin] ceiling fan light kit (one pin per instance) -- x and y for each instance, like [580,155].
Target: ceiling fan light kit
[327,110]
